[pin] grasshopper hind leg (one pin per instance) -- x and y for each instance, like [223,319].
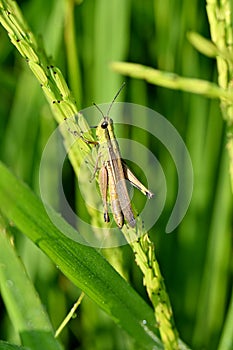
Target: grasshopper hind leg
[103,183]
[106,182]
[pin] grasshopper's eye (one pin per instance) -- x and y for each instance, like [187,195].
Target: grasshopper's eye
[104,125]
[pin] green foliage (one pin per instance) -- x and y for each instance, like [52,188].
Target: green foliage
[87,40]
[82,264]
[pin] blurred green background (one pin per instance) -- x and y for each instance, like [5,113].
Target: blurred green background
[83,38]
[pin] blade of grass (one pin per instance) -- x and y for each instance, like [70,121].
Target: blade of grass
[111,30]
[17,154]
[7,346]
[216,269]
[226,341]
[72,52]
[80,263]
[23,304]
[69,315]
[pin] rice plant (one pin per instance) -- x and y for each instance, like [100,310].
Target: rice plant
[170,291]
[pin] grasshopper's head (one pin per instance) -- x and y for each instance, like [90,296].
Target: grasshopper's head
[105,125]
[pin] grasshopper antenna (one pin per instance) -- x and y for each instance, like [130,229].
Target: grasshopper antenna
[114,99]
[99,109]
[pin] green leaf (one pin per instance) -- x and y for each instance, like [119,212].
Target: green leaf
[7,346]
[82,264]
[22,302]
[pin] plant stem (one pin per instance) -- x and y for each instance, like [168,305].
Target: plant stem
[219,15]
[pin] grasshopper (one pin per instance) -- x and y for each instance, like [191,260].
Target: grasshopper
[113,173]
